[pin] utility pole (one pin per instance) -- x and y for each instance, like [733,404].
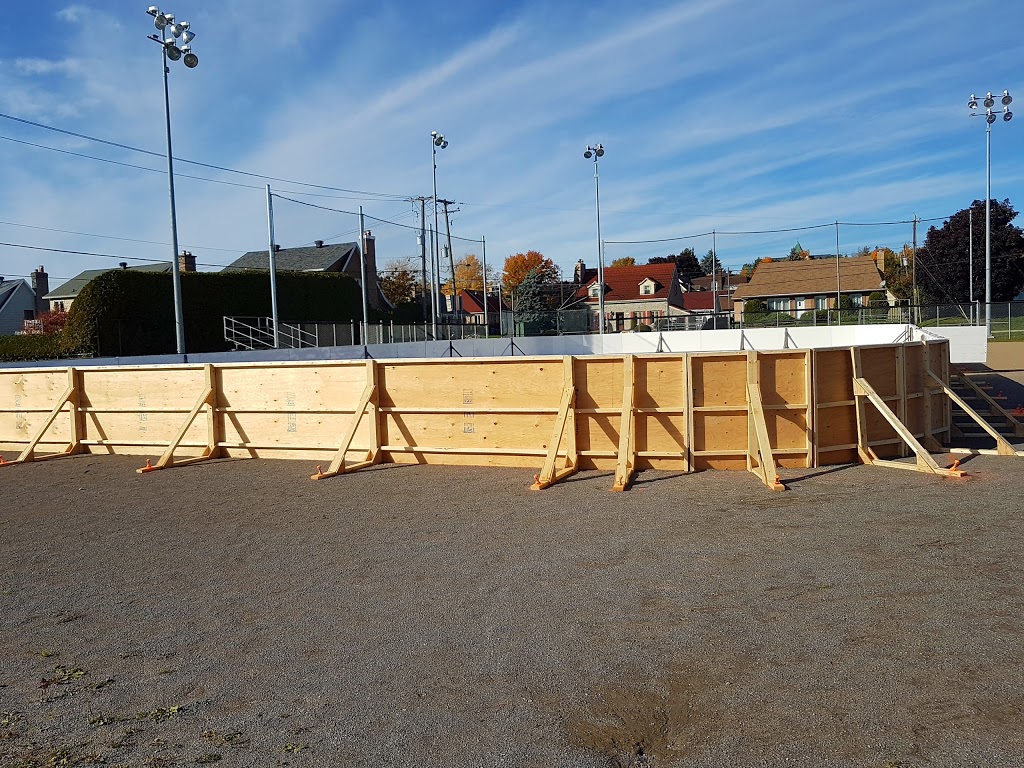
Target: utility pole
[913,253]
[451,258]
[423,246]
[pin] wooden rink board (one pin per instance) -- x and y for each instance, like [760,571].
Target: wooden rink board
[687,411]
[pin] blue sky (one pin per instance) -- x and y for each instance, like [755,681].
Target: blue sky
[733,115]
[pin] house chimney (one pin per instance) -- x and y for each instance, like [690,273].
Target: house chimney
[319,243]
[186,262]
[123,264]
[277,247]
[371,270]
[40,287]
[581,270]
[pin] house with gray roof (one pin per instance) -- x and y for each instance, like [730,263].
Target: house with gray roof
[17,304]
[321,257]
[61,297]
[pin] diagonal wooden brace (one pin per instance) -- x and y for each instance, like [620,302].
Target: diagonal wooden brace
[759,449]
[549,475]
[70,395]
[924,463]
[367,403]
[207,400]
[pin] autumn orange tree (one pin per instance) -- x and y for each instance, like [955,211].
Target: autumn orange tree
[519,265]
[469,275]
[399,281]
[623,261]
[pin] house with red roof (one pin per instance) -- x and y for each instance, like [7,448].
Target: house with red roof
[645,293]
[471,304]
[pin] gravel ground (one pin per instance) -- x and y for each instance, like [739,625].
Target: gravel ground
[237,613]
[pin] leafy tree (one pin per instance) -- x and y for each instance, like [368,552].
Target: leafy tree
[710,263]
[519,265]
[532,298]
[52,322]
[469,275]
[686,261]
[624,261]
[748,269]
[399,282]
[943,262]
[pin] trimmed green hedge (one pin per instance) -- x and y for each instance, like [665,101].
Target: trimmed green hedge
[31,347]
[126,312]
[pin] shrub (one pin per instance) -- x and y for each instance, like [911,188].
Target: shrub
[36,346]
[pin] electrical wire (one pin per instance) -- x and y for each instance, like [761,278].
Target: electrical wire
[130,148]
[114,237]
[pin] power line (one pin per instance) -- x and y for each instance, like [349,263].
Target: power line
[114,237]
[25,246]
[130,148]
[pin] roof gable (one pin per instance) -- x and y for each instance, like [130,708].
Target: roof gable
[327,258]
[74,286]
[7,290]
[623,283]
[857,274]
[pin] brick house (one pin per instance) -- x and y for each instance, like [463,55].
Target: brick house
[644,293]
[810,284]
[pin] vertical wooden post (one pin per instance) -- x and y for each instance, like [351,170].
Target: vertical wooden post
[901,390]
[862,428]
[373,413]
[75,446]
[565,421]
[627,426]
[687,415]
[212,436]
[759,447]
[809,431]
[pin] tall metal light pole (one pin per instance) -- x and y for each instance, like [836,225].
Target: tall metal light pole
[595,152]
[166,24]
[436,140]
[990,117]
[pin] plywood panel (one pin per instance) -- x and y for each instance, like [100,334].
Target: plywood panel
[157,428]
[299,388]
[33,389]
[718,379]
[913,363]
[720,462]
[719,431]
[660,432]
[597,432]
[598,382]
[310,430]
[141,388]
[21,426]
[878,428]
[467,430]
[782,377]
[841,456]
[787,429]
[659,382]
[835,426]
[878,366]
[915,415]
[833,375]
[472,383]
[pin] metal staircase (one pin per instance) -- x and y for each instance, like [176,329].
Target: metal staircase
[983,395]
[248,333]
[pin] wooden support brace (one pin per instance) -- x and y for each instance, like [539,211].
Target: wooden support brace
[565,421]
[925,463]
[208,401]
[1003,446]
[627,428]
[1013,421]
[760,460]
[367,406]
[70,395]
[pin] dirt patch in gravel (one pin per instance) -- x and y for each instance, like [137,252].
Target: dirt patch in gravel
[235,613]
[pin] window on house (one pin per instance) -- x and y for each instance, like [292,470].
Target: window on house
[857,299]
[646,289]
[800,302]
[594,290]
[30,314]
[778,305]
[821,302]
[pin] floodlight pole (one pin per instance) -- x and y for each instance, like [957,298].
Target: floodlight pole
[988,229]
[179,322]
[990,117]
[600,248]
